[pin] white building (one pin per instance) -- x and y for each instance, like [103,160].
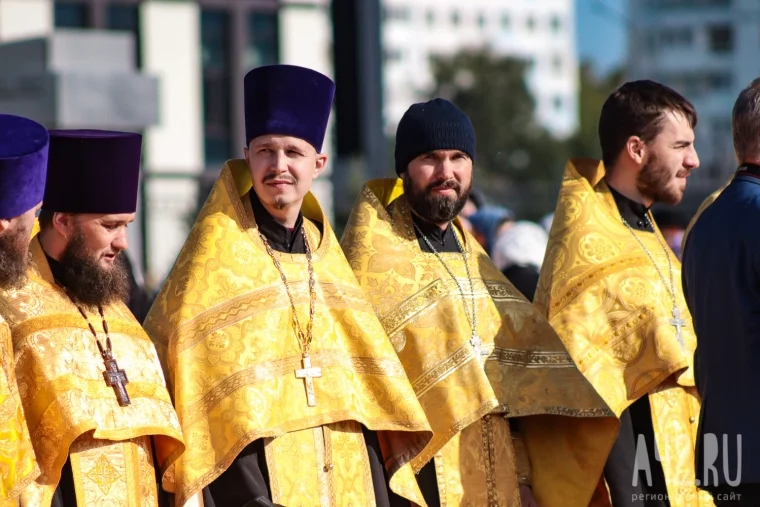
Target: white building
[199,50]
[539,31]
[708,51]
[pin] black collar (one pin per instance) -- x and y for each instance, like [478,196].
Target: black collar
[634,213]
[280,238]
[57,269]
[443,240]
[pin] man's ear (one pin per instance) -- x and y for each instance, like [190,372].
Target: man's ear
[63,223]
[321,164]
[5,224]
[635,149]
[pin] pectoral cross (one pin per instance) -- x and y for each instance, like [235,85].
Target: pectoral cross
[308,373]
[117,379]
[477,345]
[678,323]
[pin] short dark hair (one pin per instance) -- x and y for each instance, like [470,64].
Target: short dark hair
[45,218]
[638,108]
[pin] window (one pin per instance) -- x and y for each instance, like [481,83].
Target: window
[456,18]
[430,16]
[557,102]
[531,23]
[676,37]
[71,15]
[127,18]
[557,64]
[721,38]
[391,55]
[556,24]
[481,20]
[263,40]
[505,22]
[215,61]
[395,13]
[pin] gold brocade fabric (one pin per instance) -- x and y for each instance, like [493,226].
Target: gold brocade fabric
[110,473]
[527,374]
[224,323]
[17,463]
[60,377]
[604,296]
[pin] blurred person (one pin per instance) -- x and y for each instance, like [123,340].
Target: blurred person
[489,222]
[479,355]
[546,222]
[519,253]
[94,390]
[474,202]
[722,285]
[610,287]
[23,165]
[672,223]
[281,370]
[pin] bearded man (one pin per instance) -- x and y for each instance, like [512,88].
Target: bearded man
[101,419]
[514,421]
[23,165]
[610,286]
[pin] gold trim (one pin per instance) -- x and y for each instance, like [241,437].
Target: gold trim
[240,308]
[486,433]
[531,358]
[56,321]
[284,368]
[274,483]
[440,477]
[324,476]
[46,395]
[443,369]
[398,318]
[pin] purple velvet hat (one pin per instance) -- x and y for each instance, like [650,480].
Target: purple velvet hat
[93,171]
[288,100]
[23,164]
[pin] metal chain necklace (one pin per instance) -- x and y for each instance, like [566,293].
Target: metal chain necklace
[113,376]
[475,340]
[308,372]
[676,321]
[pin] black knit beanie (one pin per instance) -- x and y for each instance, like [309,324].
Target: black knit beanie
[430,126]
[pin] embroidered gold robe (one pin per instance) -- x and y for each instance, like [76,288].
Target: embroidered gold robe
[72,413]
[18,467]
[603,295]
[224,323]
[468,400]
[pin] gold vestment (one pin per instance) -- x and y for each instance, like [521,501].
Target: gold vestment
[527,373]
[604,296]
[18,467]
[69,408]
[223,326]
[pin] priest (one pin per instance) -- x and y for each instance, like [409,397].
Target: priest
[101,419]
[287,388]
[611,288]
[23,165]
[514,420]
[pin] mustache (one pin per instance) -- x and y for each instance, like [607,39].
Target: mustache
[452,184]
[279,176]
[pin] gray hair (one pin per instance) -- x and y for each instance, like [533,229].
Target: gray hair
[745,122]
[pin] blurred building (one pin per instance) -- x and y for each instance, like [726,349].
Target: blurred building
[194,54]
[541,32]
[707,50]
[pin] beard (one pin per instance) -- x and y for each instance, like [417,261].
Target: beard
[436,209]
[655,181]
[14,258]
[280,202]
[87,282]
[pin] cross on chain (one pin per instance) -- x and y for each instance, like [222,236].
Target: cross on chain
[308,373]
[117,379]
[678,323]
[477,345]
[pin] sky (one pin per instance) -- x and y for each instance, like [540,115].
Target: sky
[601,32]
